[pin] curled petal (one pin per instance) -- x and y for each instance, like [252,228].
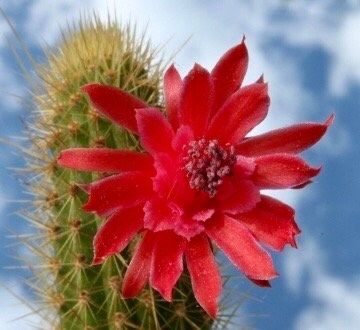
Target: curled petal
[155,131]
[261,283]
[240,246]
[261,79]
[105,160]
[229,73]
[282,171]
[303,185]
[123,190]
[137,274]
[242,111]
[167,262]
[293,139]
[204,274]
[172,94]
[116,233]
[197,100]
[271,222]
[114,104]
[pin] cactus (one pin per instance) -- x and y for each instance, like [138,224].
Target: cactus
[74,294]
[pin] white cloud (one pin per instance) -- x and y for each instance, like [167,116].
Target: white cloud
[332,26]
[14,314]
[41,24]
[337,141]
[45,21]
[346,68]
[311,259]
[335,305]
[334,301]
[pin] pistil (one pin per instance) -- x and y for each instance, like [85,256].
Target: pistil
[206,163]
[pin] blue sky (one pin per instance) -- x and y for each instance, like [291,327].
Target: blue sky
[309,52]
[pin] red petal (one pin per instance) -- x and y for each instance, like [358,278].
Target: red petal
[167,262]
[172,94]
[272,222]
[303,185]
[241,112]
[292,139]
[183,136]
[105,160]
[237,196]
[261,283]
[181,192]
[116,233]
[244,167]
[261,79]
[138,271]
[282,171]
[239,245]
[118,191]
[115,104]
[159,215]
[171,182]
[155,131]
[204,274]
[229,72]
[197,100]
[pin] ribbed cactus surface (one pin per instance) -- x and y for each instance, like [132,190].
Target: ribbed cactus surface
[72,293]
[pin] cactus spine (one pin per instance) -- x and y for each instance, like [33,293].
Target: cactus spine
[73,293]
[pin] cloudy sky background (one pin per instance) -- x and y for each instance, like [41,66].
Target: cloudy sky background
[309,52]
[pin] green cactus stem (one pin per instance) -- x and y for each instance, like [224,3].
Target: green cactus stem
[72,293]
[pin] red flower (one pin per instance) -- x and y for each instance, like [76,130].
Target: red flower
[197,182]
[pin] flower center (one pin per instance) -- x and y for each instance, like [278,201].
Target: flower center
[206,163]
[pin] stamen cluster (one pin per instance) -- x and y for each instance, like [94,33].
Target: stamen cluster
[207,163]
